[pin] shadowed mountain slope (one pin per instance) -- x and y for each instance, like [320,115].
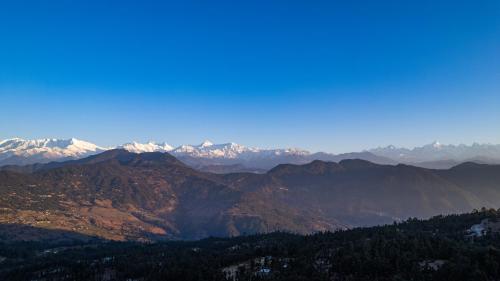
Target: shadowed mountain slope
[122,195]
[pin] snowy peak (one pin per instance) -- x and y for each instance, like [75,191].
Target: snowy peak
[44,150]
[136,147]
[71,145]
[208,149]
[436,151]
[436,144]
[206,143]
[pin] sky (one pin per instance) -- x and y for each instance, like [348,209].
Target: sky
[332,76]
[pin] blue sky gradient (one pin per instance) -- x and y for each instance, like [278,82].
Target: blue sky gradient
[333,76]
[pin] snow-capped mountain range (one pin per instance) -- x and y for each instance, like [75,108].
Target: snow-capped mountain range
[147,147]
[18,151]
[440,152]
[207,149]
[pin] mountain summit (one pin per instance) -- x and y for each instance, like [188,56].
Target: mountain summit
[146,147]
[20,151]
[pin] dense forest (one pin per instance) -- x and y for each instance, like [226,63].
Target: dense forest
[440,248]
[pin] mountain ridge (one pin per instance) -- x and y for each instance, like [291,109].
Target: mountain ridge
[205,156]
[121,195]
[433,152]
[232,157]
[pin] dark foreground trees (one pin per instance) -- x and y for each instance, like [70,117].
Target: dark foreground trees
[436,249]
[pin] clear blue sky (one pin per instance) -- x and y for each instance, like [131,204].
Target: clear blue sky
[322,75]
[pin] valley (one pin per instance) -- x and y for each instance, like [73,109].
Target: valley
[120,195]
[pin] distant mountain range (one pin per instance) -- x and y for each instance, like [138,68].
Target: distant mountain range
[232,157]
[436,155]
[221,158]
[122,195]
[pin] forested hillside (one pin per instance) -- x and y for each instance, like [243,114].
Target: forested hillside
[441,248]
